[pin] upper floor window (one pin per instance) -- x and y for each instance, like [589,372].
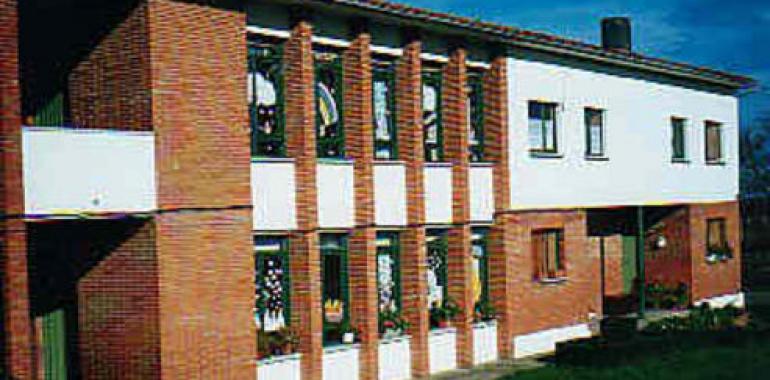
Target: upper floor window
[334,284]
[431,116]
[265,99]
[475,106]
[678,139]
[272,283]
[548,253]
[543,127]
[594,123]
[714,153]
[330,132]
[384,107]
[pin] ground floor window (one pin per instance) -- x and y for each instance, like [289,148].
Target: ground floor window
[717,247]
[442,308]
[548,252]
[480,276]
[272,283]
[334,283]
[389,285]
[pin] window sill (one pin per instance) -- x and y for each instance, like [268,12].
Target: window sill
[482,164]
[332,348]
[716,163]
[264,159]
[395,339]
[680,161]
[277,359]
[485,324]
[335,161]
[438,164]
[546,155]
[381,162]
[597,158]
[438,331]
[552,280]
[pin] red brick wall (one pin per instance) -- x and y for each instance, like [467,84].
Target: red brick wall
[118,310]
[455,122]
[539,306]
[613,264]
[305,257]
[16,323]
[360,147]
[710,280]
[111,88]
[670,265]
[410,149]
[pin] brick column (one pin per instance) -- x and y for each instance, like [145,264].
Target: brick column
[413,259]
[454,104]
[204,227]
[501,266]
[16,325]
[305,260]
[360,147]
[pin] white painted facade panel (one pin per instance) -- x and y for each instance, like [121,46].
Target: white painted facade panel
[482,202]
[390,194]
[279,368]
[543,342]
[736,300]
[75,171]
[485,342]
[443,350]
[336,195]
[341,363]
[438,193]
[395,359]
[638,141]
[273,194]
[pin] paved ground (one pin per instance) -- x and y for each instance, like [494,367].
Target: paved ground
[492,371]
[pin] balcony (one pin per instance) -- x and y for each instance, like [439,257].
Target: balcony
[83,172]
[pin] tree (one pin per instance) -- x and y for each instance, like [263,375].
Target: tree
[755,159]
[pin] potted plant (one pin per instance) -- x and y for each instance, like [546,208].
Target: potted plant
[484,312]
[442,315]
[391,324]
[719,253]
[348,333]
[288,340]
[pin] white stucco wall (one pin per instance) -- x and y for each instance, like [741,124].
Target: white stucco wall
[481,188]
[438,193]
[341,363]
[395,359]
[443,350]
[638,141]
[273,194]
[390,194]
[72,171]
[336,195]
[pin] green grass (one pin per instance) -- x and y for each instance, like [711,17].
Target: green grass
[745,357]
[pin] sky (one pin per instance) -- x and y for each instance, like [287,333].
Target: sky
[731,35]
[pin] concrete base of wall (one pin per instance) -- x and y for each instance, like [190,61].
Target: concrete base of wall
[738,300]
[543,342]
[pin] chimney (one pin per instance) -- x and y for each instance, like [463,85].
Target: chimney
[616,33]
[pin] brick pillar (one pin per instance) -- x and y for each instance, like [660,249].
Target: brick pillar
[305,260]
[454,103]
[410,149]
[204,224]
[16,324]
[360,147]
[501,266]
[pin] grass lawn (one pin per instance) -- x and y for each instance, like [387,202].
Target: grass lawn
[745,358]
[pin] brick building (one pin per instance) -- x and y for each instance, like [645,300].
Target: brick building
[229,189]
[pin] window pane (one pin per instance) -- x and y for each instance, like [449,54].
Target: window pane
[431,112]
[548,251]
[594,126]
[678,147]
[437,276]
[713,142]
[384,113]
[265,100]
[329,129]
[334,278]
[271,284]
[475,111]
[480,283]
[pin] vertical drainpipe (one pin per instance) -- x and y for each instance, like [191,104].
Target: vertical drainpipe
[640,257]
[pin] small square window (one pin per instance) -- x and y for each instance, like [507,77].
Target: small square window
[543,127]
[548,253]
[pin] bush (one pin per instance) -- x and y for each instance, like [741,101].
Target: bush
[700,319]
[660,296]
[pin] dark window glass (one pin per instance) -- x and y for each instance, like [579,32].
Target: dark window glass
[334,281]
[431,116]
[330,133]
[713,142]
[272,283]
[475,106]
[543,127]
[437,268]
[265,99]
[384,106]
[594,121]
[480,259]
[678,142]
[388,273]
[548,252]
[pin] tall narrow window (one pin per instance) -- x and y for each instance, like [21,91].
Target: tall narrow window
[330,132]
[475,106]
[384,106]
[437,268]
[334,283]
[543,127]
[678,139]
[548,252]
[265,99]
[480,259]
[431,116]
[272,283]
[594,122]
[714,154]
[388,273]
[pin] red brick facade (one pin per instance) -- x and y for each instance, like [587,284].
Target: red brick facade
[721,278]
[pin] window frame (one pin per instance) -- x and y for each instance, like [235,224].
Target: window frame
[707,125]
[329,61]
[437,239]
[433,78]
[344,282]
[544,150]
[589,154]
[483,241]
[559,272]
[394,251]
[254,64]
[717,251]
[476,115]
[677,144]
[283,253]
[386,72]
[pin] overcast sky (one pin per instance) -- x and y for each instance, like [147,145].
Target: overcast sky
[732,35]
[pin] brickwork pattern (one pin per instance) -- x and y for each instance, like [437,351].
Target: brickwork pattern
[670,265]
[711,280]
[613,264]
